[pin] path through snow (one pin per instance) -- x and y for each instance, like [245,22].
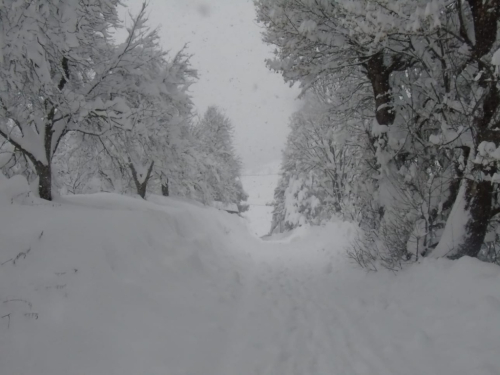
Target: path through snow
[305,310]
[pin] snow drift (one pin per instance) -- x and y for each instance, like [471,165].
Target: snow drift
[108,284]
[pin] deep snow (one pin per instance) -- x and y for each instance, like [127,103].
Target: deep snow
[106,284]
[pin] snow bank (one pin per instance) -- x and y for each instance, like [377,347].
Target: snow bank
[108,284]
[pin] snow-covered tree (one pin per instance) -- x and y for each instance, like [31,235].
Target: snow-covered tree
[61,73]
[319,169]
[55,67]
[71,96]
[336,48]
[427,72]
[459,65]
[221,166]
[160,107]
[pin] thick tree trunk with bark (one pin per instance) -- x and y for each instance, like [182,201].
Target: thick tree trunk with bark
[379,74]
[478,197]
[468,222]
[44,173]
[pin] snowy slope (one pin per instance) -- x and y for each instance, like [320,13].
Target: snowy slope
[117,285]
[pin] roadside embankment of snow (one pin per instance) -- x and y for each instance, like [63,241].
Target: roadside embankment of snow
[109,284]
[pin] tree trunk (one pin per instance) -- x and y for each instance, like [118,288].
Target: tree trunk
[478,196]
[44,173]
[141,186]
[379,74]
[164,189]
[468,221]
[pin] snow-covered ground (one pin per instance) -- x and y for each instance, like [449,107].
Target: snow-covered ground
[106,284]
[259,183]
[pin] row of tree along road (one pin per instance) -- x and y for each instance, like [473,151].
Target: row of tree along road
[80,112]
[401,127]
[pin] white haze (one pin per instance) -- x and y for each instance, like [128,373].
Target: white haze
[228,53]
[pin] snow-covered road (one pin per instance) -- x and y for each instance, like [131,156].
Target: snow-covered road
[320,317]
[304,309]
[116,285]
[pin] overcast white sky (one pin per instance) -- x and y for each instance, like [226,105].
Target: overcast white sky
[229,55]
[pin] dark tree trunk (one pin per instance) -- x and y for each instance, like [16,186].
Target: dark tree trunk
[164,189]
[478,200]
[141,186]
[379,74]
[44,173]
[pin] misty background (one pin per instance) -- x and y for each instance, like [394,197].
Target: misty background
[229,55]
